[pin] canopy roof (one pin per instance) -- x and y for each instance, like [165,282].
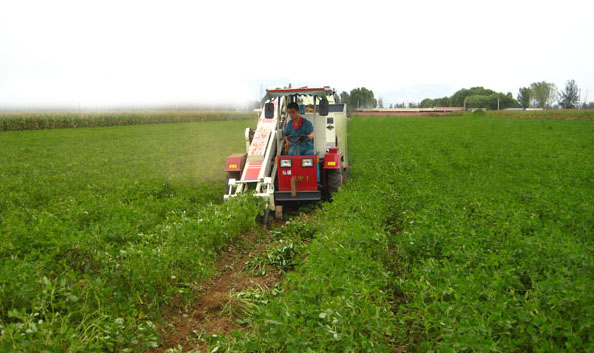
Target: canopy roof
[302,91]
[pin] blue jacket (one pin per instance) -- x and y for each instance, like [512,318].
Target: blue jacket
[306,147]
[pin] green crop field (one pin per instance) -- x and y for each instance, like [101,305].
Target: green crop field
[452,234]
[99,227]
[458,234]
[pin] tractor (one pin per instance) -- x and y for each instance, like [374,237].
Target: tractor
[267,171]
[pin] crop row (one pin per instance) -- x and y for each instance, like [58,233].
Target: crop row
[40,121]
[453,234]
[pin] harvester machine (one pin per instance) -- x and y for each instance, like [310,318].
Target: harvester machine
[266,170]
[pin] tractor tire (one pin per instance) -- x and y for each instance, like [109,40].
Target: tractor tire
[333,180]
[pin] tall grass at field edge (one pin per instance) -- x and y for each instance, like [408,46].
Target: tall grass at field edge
[41,121]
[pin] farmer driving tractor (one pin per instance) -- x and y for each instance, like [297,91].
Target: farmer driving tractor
[298,133]
[283,164]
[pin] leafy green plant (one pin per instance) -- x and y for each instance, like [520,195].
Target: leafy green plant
[298,230]
[453,234]
[99,228]
[282,256]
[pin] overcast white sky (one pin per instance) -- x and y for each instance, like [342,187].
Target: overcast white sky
[93,53]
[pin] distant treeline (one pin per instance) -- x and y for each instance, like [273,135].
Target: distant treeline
[475,97]
[40,121]
[544,95]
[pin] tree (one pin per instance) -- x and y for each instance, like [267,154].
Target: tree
[437,102]
[457,99]
[524,97]
[391,106]
[427,103]
[492,101]
[442,102]
[570,97]
[344,98]
[477,101]
[543,93]
[505,101]
[362,98]
[380,103]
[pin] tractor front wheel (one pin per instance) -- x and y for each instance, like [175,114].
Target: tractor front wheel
[333,180]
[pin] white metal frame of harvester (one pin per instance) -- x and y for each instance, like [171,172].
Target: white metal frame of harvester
[267,172]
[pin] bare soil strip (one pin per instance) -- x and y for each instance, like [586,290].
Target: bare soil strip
[206,316]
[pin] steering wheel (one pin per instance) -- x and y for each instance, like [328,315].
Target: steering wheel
[299,139]
[295,139]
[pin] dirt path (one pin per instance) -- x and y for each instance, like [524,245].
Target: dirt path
[207,316]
